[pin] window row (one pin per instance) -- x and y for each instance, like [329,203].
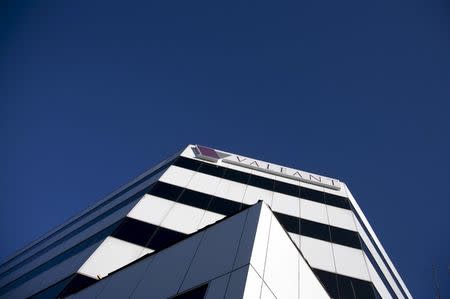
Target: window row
[227,207]
[71,223]
[146,234]
[59,258]
[75,232]
[344,287]
[263,183]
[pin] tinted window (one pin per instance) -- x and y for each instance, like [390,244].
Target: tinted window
[261,182]
[337,201]
[194,199]
[223,206]
[165,190]
[211,170]
[164,238]
[135,231]
[236,176]
[59,258]
[345,237]
[345,288]
[312,195]
[52,291]
[329,281]
[187,163]
[290,223]
[196,293]
[363,289]
[314,230]
[77,283]
[286,188]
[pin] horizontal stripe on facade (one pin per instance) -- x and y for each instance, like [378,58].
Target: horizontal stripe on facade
[59,258]
[288,189]
[263,182]
[344,287]
[94,209]
[375,264]
[227,207]
[75,232]
[147,235]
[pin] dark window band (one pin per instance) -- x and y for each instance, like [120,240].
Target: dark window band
[77,283]
[263,182]
[195,293]
[319,231]
[367,251]
[146,234]
[75,232]
[227,207]
[343,287]
[81,228]
[59,258]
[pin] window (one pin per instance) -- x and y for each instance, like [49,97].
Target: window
[236,176]
[187,163]
[223,206]
[165,190]
[194,199]
[312,195]
[135,231]
[211,170]
[286,188]
[315,230]
[345,237]
[261,182]
[196,293]
[164,238]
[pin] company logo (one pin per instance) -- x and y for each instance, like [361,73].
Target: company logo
[213,155]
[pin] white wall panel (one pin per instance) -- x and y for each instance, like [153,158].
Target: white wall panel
[80,220]
[281,270]
[350,262]
[111,255]
[286,204]
[296,238]
[318,253]
[51,276]
[209,218]
[341,218]
[266,293]
[258,258]
[66,245]
[253,194]
[313,211]
[204,183]
[376,280]
[183,218]
[310,287]
[230,190]
[380,246]
[252,285]
[151,209]
[177,176]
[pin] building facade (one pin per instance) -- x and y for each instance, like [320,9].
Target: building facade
[211,224]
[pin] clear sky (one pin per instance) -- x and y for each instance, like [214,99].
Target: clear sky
[92,93]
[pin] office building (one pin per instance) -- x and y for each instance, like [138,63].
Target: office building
[209,224]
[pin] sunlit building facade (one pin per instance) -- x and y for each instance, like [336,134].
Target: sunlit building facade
[211,224]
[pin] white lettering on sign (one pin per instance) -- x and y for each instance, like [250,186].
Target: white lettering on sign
[284,171]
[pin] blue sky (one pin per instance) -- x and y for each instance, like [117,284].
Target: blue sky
[92,93]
